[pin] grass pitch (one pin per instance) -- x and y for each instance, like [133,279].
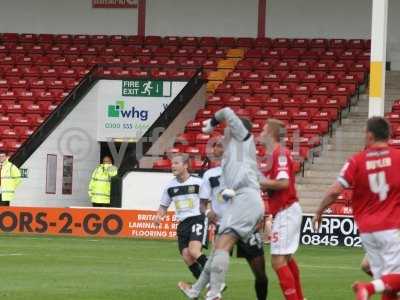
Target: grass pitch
[58,268]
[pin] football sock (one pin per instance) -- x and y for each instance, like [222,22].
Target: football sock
[389,296]
[219,267]
[257,265]
[204,278]
[287,283]
[202,260]
[195,269]
[391,282]
[261,286]
[296,275]
[371,287]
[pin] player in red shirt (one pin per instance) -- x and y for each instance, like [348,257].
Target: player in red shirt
[284,206]
[375,177]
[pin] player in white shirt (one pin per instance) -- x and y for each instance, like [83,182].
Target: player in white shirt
[253,250]
[183,190]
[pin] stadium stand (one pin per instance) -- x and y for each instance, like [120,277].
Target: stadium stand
[307,83]
[38,71]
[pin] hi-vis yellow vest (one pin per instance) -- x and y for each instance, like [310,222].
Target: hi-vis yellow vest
[100,184]
[10,179]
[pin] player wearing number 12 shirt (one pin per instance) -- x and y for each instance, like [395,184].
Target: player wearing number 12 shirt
[375,177]
[183,190]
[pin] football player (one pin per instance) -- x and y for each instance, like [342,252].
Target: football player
[183,190]
[253,250]
[284,206]
[373,173]
[239,178]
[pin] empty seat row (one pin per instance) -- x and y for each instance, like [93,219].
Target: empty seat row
[51,83]
[184,41]
[296,76]
[9,62]
[34,94]
[46,76]
[307,65]
[294,89]
[279,102]
[77,50]
[294,54]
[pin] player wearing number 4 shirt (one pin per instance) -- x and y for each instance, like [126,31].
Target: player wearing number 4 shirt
[285,209]
[183,190]
[375,178]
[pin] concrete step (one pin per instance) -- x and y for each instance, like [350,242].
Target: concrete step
[348,134]
[317,180]
[337,153]
[324,167]
[343,147]
[347,139]
[317,173]
[309,208]
[311,189]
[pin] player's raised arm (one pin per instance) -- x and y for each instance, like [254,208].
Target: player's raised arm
[237,128]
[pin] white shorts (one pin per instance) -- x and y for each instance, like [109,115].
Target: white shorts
[383,251]
[286,226]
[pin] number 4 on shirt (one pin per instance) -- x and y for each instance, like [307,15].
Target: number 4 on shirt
[378,184]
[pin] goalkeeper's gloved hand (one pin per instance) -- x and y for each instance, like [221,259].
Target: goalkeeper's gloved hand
[228,194]
[208,125]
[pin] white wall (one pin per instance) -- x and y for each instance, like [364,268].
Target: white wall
[64,16]
[202,18]
[75,136]
[319,18]
[332,19]
[136,193]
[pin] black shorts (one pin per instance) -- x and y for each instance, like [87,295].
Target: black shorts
[192,229]
[252,249]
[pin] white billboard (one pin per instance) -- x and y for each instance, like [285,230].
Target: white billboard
[127,108]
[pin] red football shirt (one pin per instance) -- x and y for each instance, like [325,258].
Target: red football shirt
[375,176]
[281,168]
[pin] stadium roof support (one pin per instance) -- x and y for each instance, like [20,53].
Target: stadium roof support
[262,12]
[378,57]
[142,18]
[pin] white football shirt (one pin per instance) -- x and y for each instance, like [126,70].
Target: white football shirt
[211,188]
[185,196]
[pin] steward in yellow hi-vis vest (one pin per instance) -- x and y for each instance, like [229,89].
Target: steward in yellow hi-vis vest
[100,183]
[10,178]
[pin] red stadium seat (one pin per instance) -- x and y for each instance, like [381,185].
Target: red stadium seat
[194,126]
[11,145]
[263,42]
[300,43]
[23,131]
[162,164]
[281,43]
[196,165]
[208,41]
[245,42]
